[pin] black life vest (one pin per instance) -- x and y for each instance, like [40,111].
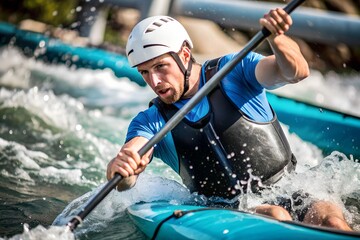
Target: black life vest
[220,153]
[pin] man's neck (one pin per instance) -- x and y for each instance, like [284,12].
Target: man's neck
[194,81]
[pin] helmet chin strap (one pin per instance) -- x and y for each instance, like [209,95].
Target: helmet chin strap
[185,71]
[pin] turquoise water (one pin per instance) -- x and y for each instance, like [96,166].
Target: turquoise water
[59,128]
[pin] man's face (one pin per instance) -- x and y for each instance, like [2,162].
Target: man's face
[164,76]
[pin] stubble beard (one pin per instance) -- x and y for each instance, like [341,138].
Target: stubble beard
[174,97]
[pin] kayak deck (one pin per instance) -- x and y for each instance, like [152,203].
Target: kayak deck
[163,220]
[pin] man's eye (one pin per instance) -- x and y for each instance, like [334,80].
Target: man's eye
[160,66]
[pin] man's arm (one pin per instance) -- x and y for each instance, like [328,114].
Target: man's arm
[287,65]
[128,163]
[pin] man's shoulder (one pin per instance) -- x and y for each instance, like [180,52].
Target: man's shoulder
[251,56]
[149,113]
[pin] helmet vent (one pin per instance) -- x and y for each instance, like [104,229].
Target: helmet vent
[131,51]
[158,24]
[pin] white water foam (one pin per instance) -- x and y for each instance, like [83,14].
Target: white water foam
[46,105]
[41,233]
[28,163]
[93,87]
[65,114]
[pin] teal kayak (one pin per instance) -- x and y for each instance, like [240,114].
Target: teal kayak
[326,128]
[163,220]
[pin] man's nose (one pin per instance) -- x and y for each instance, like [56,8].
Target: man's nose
[154,79]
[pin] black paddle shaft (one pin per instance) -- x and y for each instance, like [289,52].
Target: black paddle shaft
[214,81]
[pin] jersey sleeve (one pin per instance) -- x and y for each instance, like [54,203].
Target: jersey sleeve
[146,124]
[142,126]
[246,69]
[244,90]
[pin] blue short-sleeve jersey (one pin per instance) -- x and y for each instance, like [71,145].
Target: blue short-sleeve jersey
[240,85]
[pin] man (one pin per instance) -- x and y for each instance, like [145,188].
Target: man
[231,140]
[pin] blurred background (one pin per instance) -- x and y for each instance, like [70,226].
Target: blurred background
[70,21]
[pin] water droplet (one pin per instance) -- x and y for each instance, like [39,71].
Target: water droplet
[42,43]
[75,58]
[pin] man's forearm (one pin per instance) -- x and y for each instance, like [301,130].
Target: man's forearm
[290,61]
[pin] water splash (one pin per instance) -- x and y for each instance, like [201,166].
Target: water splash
[336,179]
[41,233]
[113,206]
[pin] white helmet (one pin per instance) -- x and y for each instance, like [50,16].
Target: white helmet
[153,37]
